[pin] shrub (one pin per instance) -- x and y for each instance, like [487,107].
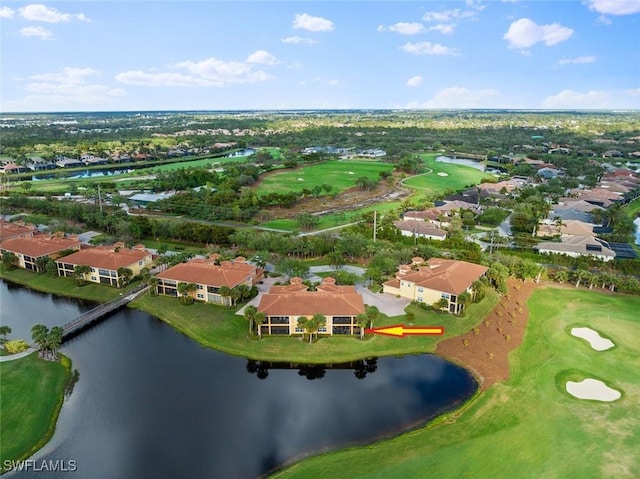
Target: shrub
[16,346]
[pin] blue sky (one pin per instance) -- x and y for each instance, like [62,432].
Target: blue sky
[215,55]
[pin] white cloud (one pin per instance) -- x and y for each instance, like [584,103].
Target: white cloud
[70,88]
[210,72]
[6,12]
[633,92]
[428,48]
[461,97]
[577,60]
[569,99]
[263,57]
[415,81]
[448,16]
[138,77]
[42,13]
[299,40]
[304,21]
[446,29]
[38,32]
[615,7]
[404,28]
[524,33]
[333,82]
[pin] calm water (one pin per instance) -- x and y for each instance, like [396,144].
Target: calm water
[462,161]
[637,223]
[152,403]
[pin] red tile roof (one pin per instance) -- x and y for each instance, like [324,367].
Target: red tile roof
[206,272]
[419,228]
[39,245]
[329,300]
[106,257]
[13,230]
[445,275]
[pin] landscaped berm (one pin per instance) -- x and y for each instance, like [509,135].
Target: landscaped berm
[528,426]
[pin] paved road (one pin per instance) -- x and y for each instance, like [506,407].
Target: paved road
[4,359]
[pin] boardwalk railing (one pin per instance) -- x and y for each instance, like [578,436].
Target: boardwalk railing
[98,312]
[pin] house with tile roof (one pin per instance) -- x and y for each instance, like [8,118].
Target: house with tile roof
[106,263]
[420,229]
[10,230]
[437,278]
[209,275]
[29,249]
[284,305]
[565,229]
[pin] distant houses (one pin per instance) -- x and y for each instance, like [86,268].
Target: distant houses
[284,305]
[420,229]
[577,246]
[10,230]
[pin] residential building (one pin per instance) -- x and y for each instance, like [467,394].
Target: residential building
[420,229]
[105,262]
[576,246]
[10,230]
[29,249]
[429,282]
[209,276]
[64,162]
[284,305]
[565,229]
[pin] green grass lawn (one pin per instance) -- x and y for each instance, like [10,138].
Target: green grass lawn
[528,426]
[220,328]
[61,286]
[335,173]
[334,219]
[31,394]
[458,177]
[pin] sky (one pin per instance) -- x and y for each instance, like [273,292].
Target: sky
[266,55]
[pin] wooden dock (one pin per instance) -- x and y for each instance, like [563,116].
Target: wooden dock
[90,317]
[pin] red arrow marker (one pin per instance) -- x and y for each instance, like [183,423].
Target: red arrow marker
[400,330]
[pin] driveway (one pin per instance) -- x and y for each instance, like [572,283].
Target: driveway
[262,288]
[386,303]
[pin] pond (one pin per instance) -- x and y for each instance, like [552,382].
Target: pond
[462,161]
[153,403]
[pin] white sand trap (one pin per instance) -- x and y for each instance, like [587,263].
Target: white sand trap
[592,389]
[442,173]
[596,341]
[351,173]
[300,179]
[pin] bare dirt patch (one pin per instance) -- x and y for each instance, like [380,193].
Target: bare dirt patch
[485,349]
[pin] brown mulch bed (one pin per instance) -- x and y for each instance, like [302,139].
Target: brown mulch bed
[485,349]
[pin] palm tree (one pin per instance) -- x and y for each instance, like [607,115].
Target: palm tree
[336,259]
[153,283]
[79,273]
[312,325]
[39,333]
[4,330]
[245,292]
[362,320]
[9,260]
[41,263]
[54,340]
[249,314]
[463,300]
[124,276]
[225,292]
[184,289]
[235,294]
[561,276]
[258,319]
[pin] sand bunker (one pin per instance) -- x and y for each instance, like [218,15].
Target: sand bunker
[351,173]
[442,173]
[596,341]
[592,389]
[300,179]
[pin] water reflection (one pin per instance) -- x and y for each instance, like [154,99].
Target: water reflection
[313,371]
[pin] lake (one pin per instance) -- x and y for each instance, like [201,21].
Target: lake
[153,403]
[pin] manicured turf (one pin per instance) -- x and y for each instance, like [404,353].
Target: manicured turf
[61,286]
[220,328]
[31,394]
[332,220]
[529,426]
[458,177]
[335,173]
